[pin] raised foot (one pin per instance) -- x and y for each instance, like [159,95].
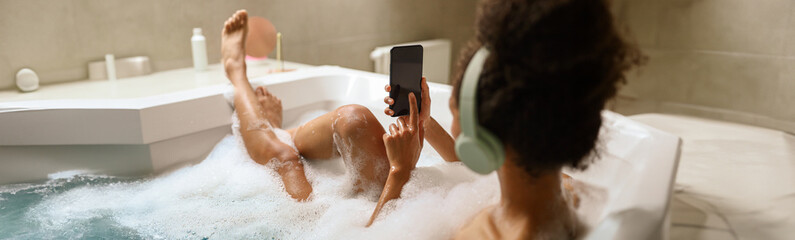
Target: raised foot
[233,48]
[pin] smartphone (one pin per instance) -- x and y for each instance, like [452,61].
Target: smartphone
[405,76]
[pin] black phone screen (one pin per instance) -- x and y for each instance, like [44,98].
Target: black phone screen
[405,76]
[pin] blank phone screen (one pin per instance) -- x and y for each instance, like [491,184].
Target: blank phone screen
[405,76]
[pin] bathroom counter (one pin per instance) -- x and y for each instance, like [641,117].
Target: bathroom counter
[143,86]
[734,181]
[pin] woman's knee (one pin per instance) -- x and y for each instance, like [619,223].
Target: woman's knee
[354,119]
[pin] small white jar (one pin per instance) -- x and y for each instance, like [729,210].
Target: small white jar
[27,80]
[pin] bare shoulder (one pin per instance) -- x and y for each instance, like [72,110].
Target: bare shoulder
[480,227]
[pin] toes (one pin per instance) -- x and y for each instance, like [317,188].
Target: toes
[236,21]
[242,14]
[264,94]
[229,25]
[240,18]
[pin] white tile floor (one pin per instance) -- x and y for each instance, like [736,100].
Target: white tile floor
[734,181]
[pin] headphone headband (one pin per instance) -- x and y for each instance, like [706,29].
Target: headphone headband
[468,94]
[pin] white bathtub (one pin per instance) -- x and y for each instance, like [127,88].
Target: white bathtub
[154,133]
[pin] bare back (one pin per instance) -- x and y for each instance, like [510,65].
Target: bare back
[488,224]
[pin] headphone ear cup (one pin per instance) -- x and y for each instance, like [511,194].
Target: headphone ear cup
[492,146]
[471,153]
[476,147]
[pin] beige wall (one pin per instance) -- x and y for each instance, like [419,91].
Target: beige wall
[57,38]
[724,59]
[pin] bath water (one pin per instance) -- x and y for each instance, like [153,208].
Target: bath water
[228,196]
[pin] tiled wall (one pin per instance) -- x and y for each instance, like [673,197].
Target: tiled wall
[726,59]
[57,38]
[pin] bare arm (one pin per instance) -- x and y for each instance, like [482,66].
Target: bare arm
[394,185]
[403,145]
[440,140]
[403,142]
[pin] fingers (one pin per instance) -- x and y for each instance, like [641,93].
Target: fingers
[393,130]
[402,125]
[389,101]
[426,100]
[413,118]
[424,85]
[425,93]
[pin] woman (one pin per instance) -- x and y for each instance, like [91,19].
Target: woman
[528,95]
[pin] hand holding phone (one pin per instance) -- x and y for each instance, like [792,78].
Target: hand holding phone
[405,137]
[425,104]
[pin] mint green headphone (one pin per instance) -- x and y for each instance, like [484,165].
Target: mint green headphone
[476,147]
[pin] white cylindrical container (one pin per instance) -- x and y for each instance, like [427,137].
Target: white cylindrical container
[27,80]
[199,50]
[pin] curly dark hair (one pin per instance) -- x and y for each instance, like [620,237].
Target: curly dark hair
[553,66]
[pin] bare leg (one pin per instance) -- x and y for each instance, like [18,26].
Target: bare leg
[255,127]
[353,132]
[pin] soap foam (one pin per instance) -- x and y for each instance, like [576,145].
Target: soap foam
[228,195]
